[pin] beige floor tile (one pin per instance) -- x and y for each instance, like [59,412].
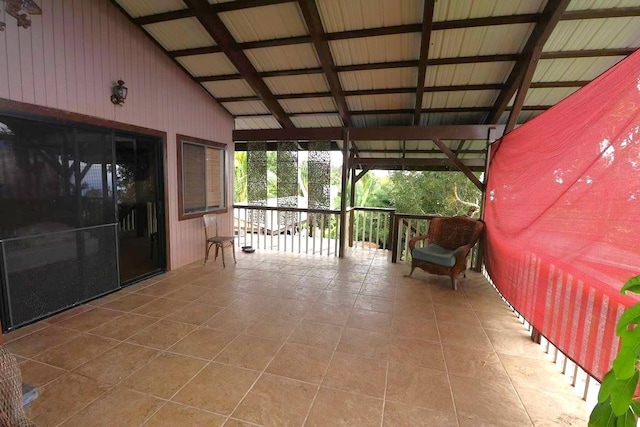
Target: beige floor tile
[337,298]
[220,298]
[356,375]
[188,293]
[62,398]
[38,374]
[414,308]
[204,343]
[231,422]
[117,364]
[120,407]
[399,415]
[159,289]
[415,327]
[161,307]
[333,408]
[339,284]
[75,352]
[90,319]
[276,401]
[124,326]
[374,303]
[496,403]
[129,302]
[422,387]
[249,352]
[456,315]
[162,335]
[372,345]
[539,374]
[175,415]
[300,362]
[472,337]
[326,313]
[231,320]
[164,375]
[515,343]
[506,321]
[480,364]
[316,334]
[381,290]
[553,409]
[65,315]
[370,321]
[277,329]
[427,354]
[231,384]
[23,331]
[195,313]
[40,340]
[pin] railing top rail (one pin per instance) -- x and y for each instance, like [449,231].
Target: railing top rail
[400,216]
[364,208]
[282,208]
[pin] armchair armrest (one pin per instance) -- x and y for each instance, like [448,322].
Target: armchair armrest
[412,242]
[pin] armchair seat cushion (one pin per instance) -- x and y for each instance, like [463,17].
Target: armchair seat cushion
[435,254]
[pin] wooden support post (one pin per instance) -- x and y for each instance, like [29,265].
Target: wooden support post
[343,196]
[352,201]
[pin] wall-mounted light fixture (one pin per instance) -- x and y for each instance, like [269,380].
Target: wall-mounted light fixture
[119,93]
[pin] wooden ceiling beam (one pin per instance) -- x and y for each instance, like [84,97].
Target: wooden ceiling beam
[425,38]
[617,12]
[219,32]
[529,56]
[379,133]
[314,24]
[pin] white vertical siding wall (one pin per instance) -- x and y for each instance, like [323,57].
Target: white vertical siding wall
[69,59]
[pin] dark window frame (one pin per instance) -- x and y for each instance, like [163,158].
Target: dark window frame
[180,141]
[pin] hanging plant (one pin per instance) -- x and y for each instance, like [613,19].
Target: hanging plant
[616,406]
[19,9]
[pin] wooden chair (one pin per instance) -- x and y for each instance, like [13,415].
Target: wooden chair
[446,246]
[210,221]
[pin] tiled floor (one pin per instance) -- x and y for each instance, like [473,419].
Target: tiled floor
[288,340]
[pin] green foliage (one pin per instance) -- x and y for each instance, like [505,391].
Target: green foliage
[424,193]
[616,407]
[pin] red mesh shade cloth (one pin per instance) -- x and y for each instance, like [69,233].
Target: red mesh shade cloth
[562,215]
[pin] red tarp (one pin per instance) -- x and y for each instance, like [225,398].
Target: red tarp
[562,211]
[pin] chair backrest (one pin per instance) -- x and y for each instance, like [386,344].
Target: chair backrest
[453,232]
[209,221]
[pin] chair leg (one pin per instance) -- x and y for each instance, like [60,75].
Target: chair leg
[207,248]
[454,283]
[411,272]
[215,258]
[233,251]
[222,250]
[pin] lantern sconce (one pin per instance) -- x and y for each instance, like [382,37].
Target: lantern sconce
[119,93]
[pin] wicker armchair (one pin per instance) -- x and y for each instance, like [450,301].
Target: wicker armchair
[446,246]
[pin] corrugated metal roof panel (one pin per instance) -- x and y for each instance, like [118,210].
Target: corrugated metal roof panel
[306,83]
[344,15]
[490,40]
[210,64]
[180,34]
[465,74]
[571,69]
[266,22]
[465,9]
[548,96]
[601,4]
[246,107]
[262,122]
[284,57]
[379,79]
[381,102]
[137,8]
[321,121]
[220,1]
[382,120]
[367,50]
[469,98]
[595,34]
[438,119]
[228,88]
[308,105]
[524,116]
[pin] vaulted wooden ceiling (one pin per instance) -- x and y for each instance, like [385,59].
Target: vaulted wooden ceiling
[360,63]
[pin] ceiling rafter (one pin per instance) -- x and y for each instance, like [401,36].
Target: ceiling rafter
[425,39]
[219,32]
[529,57]
[314,24]
[511,57]
[215,8]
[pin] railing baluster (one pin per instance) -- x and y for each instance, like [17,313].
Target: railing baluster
[406,241]
[354,232]
[337,239]
[377,229]
[313,238]
[299,232]
[321,232]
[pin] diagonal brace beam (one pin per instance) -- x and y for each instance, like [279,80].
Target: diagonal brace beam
[459,164]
